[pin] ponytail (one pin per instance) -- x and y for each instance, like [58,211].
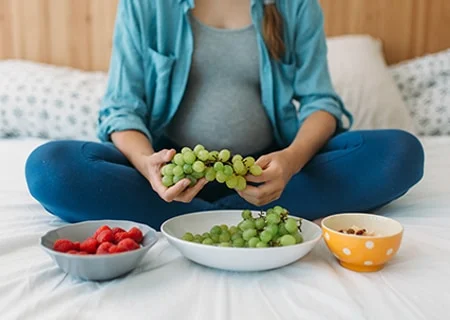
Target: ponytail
[273,30]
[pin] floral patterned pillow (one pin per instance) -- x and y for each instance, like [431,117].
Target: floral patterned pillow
[49,102]
[425,86]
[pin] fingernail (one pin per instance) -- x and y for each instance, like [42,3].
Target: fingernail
[186,183]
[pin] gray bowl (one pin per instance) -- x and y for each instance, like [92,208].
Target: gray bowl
[97,267]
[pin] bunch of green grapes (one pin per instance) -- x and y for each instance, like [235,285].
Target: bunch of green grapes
[220,166]
[272,229]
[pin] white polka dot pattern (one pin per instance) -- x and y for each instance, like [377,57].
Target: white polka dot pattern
[368,263]
[389,252]
[327,236]
[370,245]
[347,251]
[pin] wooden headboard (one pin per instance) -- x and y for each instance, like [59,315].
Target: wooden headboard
[78,33]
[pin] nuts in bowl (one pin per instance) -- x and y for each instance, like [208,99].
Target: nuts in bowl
[362,242]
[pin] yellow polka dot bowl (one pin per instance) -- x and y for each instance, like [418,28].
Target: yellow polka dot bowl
[362,253]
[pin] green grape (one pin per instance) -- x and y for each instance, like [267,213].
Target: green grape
[224,227]
[218,166]
[224,236]
[247,224]
[262,245]
[208,241]
[198,148]
[224,155]
[237,157]
[186,149]
[167,181]
[189,157]
[213,156]
[291,225]
[178,159]
[287,240]
[215,230]
[193,180]
[210,174]
[203,155]
[198,175]
[252,242]
[188,236]
[272,228]
[246,214]
[248,234]
[232,230]
[206,235]
[238,167]
[187,168]
[238,243]
[272,218]
[196,241]
[269,211]
[224,244]
[221,177]
[215,238]
[255,170]
[232,182]
[198,237]
[249,162]
[276,240]
[178,171]
[260,223]
[298,237]
[167,170]
[282,229]
[198,166]
[241,184]
[178,178]
[278,210]
[236,235]
[228,170]
[265,236]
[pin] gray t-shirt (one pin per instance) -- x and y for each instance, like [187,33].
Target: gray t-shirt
[222,105]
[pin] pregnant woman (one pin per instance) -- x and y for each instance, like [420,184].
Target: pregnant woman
[222,73]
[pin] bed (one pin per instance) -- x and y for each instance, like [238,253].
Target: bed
[414,285]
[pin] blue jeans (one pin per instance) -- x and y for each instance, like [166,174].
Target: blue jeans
[357,171]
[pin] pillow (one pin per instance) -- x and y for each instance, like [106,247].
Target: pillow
[425,85]
[361,77]
[49,102]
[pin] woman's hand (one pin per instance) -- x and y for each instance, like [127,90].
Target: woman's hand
[277,171]
[180,191]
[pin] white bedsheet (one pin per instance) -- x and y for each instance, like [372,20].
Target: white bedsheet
[415,285]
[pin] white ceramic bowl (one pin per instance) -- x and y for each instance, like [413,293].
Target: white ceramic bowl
[234,259]
[97,267]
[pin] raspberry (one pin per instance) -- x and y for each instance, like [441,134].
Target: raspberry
[119,236]
[76,246]
[128,245]
[116,230]
[89,245]
[99,230]
[105,236]
[82,253]
[136,234]
[63,245]
[104,248]
[115,249]
[72,252]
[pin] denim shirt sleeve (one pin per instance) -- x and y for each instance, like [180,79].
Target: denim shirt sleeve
[313,86]
[123,106]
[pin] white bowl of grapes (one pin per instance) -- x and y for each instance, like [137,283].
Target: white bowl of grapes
[242,240]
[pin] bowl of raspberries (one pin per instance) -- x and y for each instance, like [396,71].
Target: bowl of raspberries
[99,250]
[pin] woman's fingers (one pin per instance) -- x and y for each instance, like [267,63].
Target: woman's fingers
[190,193]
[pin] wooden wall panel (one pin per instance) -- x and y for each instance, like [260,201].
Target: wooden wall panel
[78,33]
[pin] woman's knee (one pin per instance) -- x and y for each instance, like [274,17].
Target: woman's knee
[408,156]
[47,168]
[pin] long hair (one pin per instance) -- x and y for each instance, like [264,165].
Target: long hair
[273,31]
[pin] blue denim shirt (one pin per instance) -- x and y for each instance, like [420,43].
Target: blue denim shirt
[151,57]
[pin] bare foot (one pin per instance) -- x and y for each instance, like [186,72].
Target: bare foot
[318,221]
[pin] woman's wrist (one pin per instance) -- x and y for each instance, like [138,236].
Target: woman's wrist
[296,159]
